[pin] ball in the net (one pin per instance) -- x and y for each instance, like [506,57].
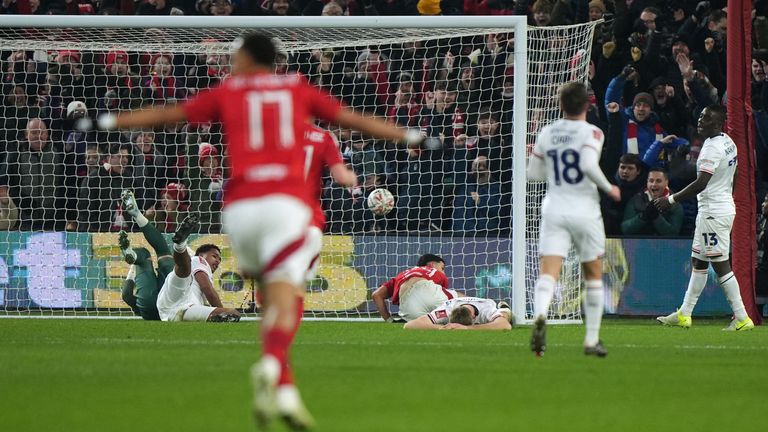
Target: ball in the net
[381,201]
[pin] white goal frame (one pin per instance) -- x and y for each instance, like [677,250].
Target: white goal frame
[520,104]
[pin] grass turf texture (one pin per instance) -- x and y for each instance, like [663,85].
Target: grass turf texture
[90,375]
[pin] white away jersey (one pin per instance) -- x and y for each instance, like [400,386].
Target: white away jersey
[194,294]
[561,144]
[486,310]
[718,157]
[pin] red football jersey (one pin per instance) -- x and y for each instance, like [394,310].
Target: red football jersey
[264,118]
[393,285]
[321,151]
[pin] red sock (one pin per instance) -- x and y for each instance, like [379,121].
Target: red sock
[286,376]
[276,344]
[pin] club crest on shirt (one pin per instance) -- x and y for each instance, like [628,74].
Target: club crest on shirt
[441,314]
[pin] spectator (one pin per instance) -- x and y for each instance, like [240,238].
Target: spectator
[75,148]
[119,88]
[419,196]
[9,213]
[161,84]
[761,273]
[630,178]
[669,107]
[440,114]
[478,203]
[642,218]
[172,206]
[283,8]
[404,109]
[332,9]
[364,157]
[99,208]
[16,111]
[639,123]
[157,7]
[206,179]
[596,10]
[149,168]
[35,175]
[499,154]
[542,13]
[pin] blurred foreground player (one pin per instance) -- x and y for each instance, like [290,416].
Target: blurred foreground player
[267,203]
[713,187]
[567,155]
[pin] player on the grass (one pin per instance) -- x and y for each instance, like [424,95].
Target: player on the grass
[713,187]
[147,284]
[567,155]
[267,203]
[186,288]
[417,290]
[466,313]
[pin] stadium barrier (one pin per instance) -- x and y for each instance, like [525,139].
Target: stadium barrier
[65,272]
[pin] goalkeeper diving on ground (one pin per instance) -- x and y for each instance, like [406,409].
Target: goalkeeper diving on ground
[182,288]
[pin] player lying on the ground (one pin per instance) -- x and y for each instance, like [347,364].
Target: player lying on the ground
[142,284]
[188,286]
[417,290]
[466,313]
[713,187]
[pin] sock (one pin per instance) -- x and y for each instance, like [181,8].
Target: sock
[131,273]
[286,376]
[542,295]
[733,294]
[156,240]
[180,247]
[695,287]
[275,344]
[141,220]
[593,310]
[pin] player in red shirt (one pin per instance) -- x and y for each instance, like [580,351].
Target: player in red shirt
[321,152]
[267,203]
[417,291]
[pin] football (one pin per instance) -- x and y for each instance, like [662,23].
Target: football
[381,201]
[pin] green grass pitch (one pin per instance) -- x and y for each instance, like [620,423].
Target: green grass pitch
[91,375]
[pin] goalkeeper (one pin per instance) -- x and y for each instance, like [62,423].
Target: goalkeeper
[142,286]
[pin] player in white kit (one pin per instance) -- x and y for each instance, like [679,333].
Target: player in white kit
[566,154]
[188,294]
[713,187]
[465,313]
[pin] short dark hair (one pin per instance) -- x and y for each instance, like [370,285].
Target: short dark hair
[573,98]
[206,248]
[719,113]
[117,148]
[260,48]
[659,169]
[718,15]
[428,258]
[631,159]
[461,315]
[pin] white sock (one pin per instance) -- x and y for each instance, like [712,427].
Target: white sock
[180,247]
[733,294]
[288,399]
[594,298]
[542,295]
[131,273]
[141,220]
[695,287]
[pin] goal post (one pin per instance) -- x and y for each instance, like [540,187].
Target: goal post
[489,80]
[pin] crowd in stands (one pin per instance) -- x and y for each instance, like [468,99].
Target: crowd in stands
[655,65]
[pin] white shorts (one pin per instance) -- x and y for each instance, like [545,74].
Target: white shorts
[712,238]
[268,237]
[173,302]
[559,232]
[314,246]
[421,298]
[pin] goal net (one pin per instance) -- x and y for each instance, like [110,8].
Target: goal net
[60,208]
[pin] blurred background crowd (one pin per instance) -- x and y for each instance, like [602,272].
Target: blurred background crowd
[654,66]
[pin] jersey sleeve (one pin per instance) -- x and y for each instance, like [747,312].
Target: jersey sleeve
[198,265]
[204,107]
[709,159]
[390,287]
[319,103]
[331,153]
[594,140]
[439,316]
[442,280]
